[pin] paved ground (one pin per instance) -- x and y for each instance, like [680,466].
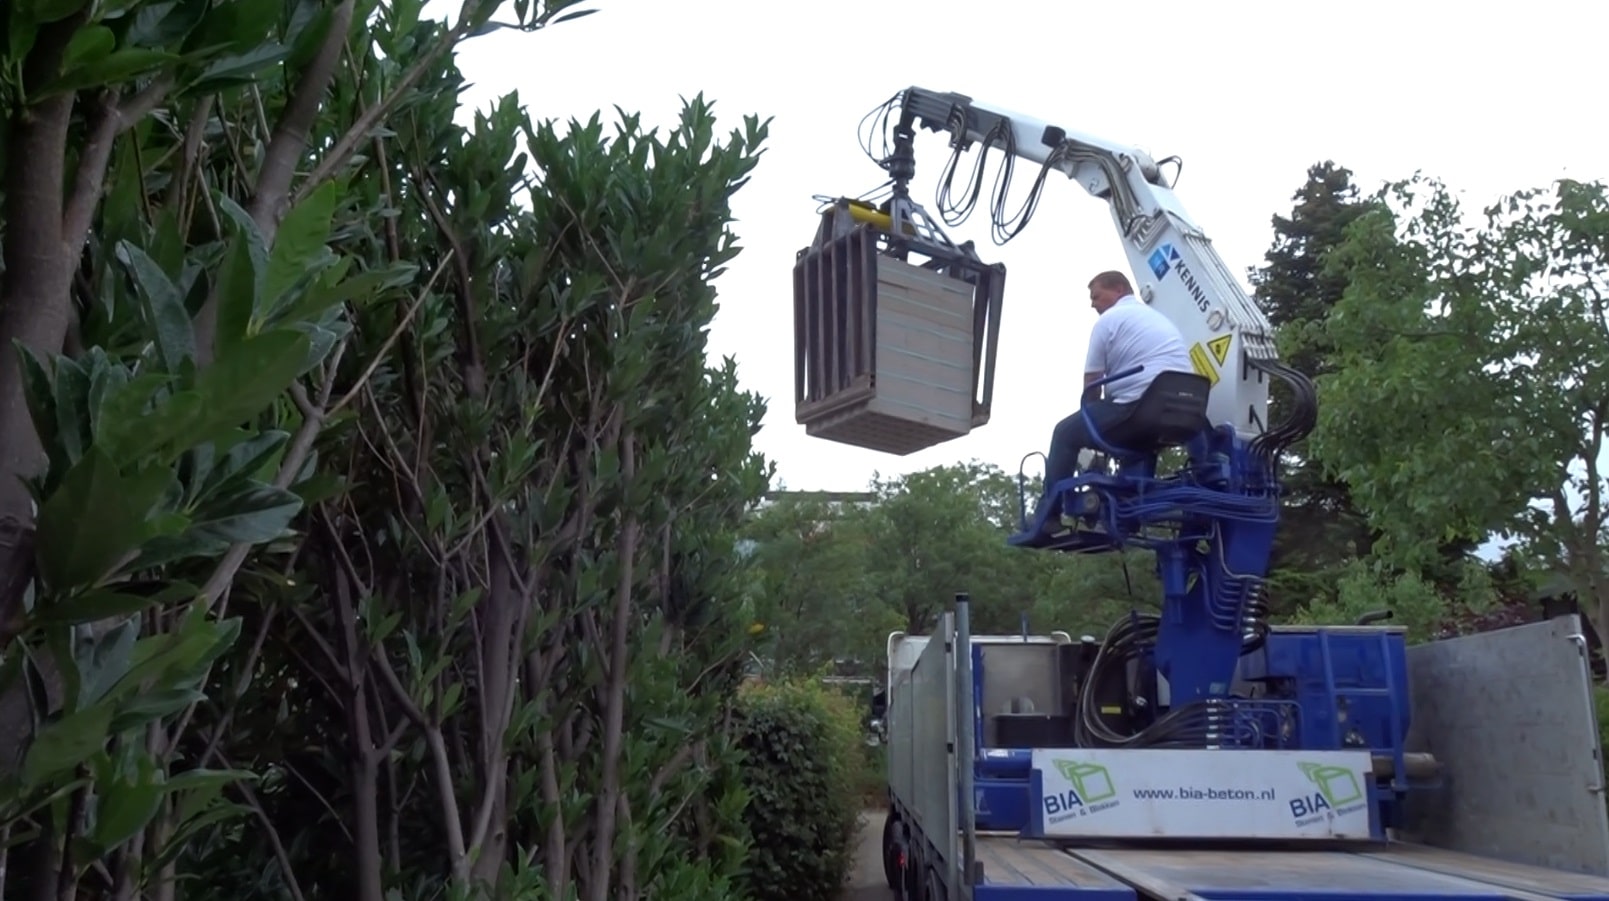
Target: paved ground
[867,882]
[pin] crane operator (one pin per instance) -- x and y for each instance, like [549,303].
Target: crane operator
[1127,333]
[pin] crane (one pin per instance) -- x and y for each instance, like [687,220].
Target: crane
[1212,522]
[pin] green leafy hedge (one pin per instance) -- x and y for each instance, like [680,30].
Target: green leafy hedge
[803,769]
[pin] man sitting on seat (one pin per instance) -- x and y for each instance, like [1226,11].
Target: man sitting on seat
[1127,334]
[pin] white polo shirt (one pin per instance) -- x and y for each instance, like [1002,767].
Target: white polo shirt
[1131,334]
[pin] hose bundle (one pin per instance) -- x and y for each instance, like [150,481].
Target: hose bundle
[1212,722]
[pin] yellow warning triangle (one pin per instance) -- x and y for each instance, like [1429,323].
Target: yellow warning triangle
[1220,348]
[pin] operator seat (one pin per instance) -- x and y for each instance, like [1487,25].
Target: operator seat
[1172,411]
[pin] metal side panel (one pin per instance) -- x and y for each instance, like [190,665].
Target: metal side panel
[1509,716]
[1282,875]
[933,776]
[1553,883]
[901,736]
[1018,870]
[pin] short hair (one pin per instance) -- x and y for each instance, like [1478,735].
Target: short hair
[1112,280]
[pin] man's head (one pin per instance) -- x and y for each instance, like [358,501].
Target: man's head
[1105,289]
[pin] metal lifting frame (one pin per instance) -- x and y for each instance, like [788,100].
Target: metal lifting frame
[836,281]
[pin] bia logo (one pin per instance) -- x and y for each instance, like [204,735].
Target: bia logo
[1307,806]
[1087,786]
[1338,788]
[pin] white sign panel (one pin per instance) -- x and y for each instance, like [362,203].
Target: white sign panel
[1117,792]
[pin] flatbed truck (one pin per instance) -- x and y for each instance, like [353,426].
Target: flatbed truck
[1512,808]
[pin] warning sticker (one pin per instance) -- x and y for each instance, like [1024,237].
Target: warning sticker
[1220,348]
[1203,366]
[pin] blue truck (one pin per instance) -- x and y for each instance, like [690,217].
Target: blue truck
[1495,790]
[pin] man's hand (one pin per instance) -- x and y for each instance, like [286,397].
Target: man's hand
[1091,393]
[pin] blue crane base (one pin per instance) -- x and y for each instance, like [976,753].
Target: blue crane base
[1211,522]
[1211,525]
[1320,689]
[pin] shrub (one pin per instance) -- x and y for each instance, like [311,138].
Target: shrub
[871,760]
[803,764]
[1362,586]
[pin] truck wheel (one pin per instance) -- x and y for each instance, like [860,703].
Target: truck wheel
[911,879]
[893,853]
[934,890]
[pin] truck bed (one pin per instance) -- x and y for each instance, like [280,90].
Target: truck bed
[1021,870]
[1014,868]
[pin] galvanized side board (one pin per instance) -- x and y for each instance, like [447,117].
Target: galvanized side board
[1182,874]
[932,697]
[1509,716]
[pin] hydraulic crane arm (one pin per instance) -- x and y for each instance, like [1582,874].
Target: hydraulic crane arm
[1177,270]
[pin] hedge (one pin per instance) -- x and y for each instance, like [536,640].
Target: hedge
[803,769]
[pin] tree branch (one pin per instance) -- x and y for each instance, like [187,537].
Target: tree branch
[615,703]
[360,130]
[473,369]
[285,867]
[301,445]
[324,648]
[241,684]
[109,120]
[272,195]
[391,339]
[34,288]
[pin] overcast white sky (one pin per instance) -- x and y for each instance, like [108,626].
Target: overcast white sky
[1489,97]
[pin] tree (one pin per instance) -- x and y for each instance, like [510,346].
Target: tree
[547,530]
[1470,395]
[937,532]
[1321,526]
[836,579]
[814,564]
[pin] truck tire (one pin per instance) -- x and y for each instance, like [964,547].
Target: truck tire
[892,852]
[911,884]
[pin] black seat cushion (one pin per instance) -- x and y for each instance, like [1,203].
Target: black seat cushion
[1172,411]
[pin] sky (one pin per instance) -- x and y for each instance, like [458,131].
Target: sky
[1248,94]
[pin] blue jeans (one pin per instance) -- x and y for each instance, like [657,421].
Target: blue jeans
[1071,436]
